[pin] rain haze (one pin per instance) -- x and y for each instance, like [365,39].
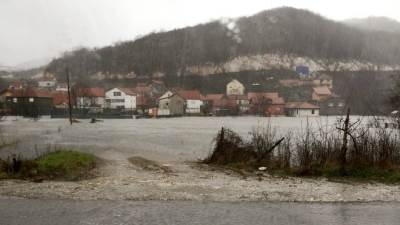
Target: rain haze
[199,112]
[42,29]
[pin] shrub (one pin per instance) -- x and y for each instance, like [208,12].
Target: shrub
[369,153]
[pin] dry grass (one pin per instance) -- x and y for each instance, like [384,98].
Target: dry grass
[371,154]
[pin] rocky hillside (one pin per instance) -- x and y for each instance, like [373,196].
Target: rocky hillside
[278,38]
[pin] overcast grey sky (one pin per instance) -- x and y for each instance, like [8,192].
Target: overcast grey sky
[35,29]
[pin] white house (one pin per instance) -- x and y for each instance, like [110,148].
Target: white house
[235,88]
[193,100]
[47,83]
[121,98]
[299,109]
[62,87]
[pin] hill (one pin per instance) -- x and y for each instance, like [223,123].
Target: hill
[277,38]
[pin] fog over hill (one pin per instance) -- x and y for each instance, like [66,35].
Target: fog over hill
[375,24]
[287,35]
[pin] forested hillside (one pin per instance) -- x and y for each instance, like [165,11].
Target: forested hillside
[278,31]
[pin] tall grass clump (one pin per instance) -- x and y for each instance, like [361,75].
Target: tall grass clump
[58,165]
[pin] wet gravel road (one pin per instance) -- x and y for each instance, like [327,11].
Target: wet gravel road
[63,212]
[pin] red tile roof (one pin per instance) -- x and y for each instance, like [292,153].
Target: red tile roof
[213,97]
[128,91]
[31,92]
[300,105]
[61,98]
[323,90]
[256,97]
[190,94]
[90,92]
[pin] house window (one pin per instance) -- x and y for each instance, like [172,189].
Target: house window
[15,100]
[117,100]
[117,93]
[330,104]
[340,104]
[313,111]
[31,99]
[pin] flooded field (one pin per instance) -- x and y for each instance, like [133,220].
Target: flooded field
[177,139]
[173,144]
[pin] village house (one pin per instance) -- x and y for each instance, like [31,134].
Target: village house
[323,80]
[5,93]
[223,105]
[60,99]
[299,109]
[62,87]
[239,104]
[335,105]
[266,103]
[321,93]
[171,104]
[121,98]
[193,101]
[30,102]
[15,85]
[47,82]
[214,103]
[235,88]
[90,97]
[294,83]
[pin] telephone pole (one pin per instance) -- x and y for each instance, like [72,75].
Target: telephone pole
[69,96]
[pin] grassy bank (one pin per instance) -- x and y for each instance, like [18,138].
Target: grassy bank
[351,152]
[58,165]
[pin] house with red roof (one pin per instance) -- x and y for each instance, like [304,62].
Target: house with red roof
[121,98]
[299,109]
[30,102]
[93,97]
[321,93]
[60,99]
[222,104]
[193,101]
[266,103]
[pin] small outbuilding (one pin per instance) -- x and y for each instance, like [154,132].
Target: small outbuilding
[171,104]
[299,109]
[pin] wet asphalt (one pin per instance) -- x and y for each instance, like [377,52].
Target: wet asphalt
[63,212]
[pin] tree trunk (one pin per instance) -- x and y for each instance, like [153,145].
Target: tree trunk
[343,153]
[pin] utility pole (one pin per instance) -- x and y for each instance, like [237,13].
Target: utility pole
[69,96]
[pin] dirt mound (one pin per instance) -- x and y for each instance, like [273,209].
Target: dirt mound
[150,165]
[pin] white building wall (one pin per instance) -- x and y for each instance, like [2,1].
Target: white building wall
[122,101]
[86,102]
[234,88]
[48,83]
[193,106]
[304,112]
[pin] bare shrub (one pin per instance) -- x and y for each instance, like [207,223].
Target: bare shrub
[229,148]
[312,151]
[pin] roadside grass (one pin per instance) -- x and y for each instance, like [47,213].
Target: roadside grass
[372,155]
[66,165]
